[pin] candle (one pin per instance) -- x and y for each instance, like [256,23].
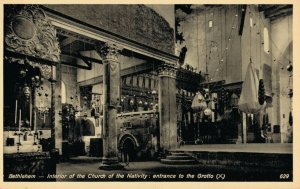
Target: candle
[20,120]
[30,115]
[34,124]
[44,118]
[16,112]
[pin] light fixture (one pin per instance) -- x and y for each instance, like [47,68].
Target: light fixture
[131,102]
[26,91]
[289,67]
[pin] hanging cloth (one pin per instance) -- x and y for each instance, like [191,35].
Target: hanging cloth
[248,101]
[198,103]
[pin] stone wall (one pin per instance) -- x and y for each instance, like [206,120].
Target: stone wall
[135,22]
[207,45]
[282,50]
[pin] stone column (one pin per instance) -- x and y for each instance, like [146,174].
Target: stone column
[111,98]
[52,165]
[52,108]
[167,107]
[58,107]
[244,127]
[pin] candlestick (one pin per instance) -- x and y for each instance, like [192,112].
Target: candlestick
[16,112]
[44,119]
[20,120]
[30,114]
[34,124]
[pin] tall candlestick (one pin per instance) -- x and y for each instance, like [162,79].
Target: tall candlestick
[34,121]
[20,120]
[16,112]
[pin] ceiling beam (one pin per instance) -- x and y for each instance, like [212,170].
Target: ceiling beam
[67,41]
[88,67]
[142,68]
[266,7]
[96,34]
[75,36]
[283,14]
[78,55]
[278,10]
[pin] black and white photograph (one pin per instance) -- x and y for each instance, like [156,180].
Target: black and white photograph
[148,93]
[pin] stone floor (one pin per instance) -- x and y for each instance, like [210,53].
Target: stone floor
[85,170]
[286,148]
[155,171]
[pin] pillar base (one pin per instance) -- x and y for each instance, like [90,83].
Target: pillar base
[110,164]
[239,140]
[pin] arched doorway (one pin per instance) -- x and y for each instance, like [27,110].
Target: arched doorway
[129,152]
[128,147]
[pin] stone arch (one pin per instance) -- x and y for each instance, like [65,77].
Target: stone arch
[130,137]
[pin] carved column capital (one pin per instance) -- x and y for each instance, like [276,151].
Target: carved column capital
[109,51]
[167,70]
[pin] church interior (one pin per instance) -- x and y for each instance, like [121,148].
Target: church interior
[131,82]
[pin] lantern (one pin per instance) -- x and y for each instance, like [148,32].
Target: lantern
[26,91]
[289,67]
[131,102]
[207,112]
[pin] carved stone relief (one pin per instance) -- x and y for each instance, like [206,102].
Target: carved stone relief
[28,31]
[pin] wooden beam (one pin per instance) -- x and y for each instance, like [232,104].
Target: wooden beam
[276,16]
[142,68]
[76,65]
[67,41]
[277,11]
[97,34]
[266,7]
[75,36]
[78,55]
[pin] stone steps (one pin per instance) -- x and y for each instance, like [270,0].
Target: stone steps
[84,159]
[178,162]
[178,158]
[239,159]
[236,159]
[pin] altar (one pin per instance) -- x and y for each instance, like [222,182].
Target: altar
[28,166]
